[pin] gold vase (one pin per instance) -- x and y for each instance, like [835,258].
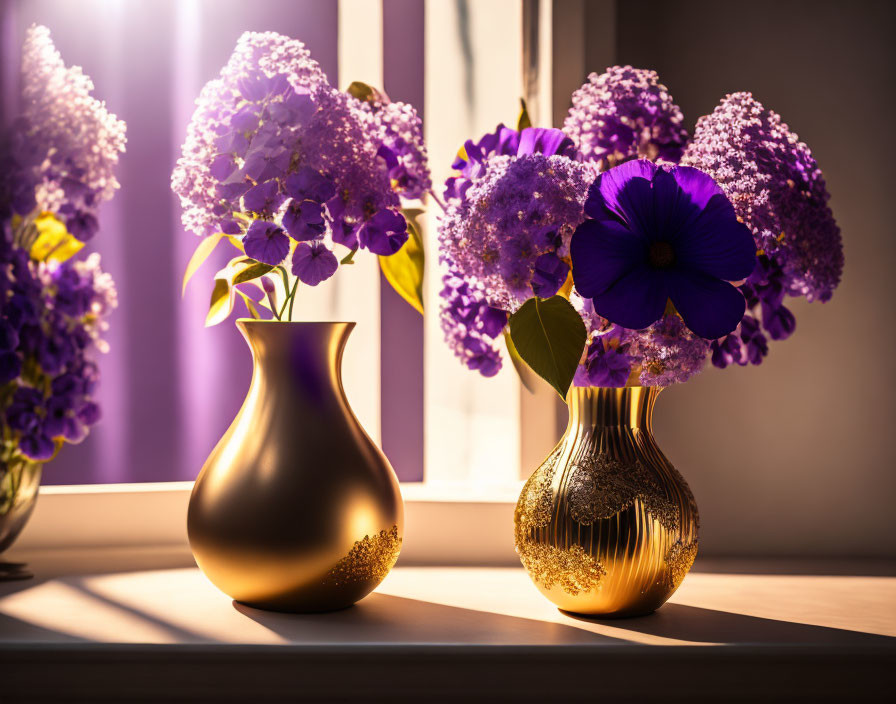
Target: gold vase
[19,483]
[296,509]
[606,526]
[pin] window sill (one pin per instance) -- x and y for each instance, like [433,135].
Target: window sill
[114,624]
[445,524]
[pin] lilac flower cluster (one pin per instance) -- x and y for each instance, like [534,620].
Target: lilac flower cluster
[278,157]
[51,321]
[473,312]
[65,145]
[400,133]
[500,248]
[511,231]
[779,192]
[58,166]
[623,114]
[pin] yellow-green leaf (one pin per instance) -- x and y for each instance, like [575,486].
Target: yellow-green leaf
[201,253]
[54,241]
[404,269]
[253,270]
[524,120]
[250,305]
[221,303]
[236,242]
[550,336]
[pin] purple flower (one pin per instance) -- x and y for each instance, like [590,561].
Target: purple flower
[503,142]
[264,198]
[313,263]
[777,189]
[658,235]
[10,367]
[304,220]
[622,114]
[266,242]
[549,274]
[309,184]
[609,367]
[385,233]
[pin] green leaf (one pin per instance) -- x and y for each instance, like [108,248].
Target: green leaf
[523,370]
[349,258]
[221,303]
[404,269]
[550,336]
[524,120]
[253,270]
[363,92]
[202,252]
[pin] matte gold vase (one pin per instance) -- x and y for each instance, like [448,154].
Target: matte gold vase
[296,509]
[606,526]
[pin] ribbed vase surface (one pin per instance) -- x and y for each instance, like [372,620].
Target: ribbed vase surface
[606,526]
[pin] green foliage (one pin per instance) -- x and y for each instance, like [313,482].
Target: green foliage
[524,120]
[550,337]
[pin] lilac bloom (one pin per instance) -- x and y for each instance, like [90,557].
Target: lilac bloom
[309,184]
[313,263]
[10,367]
[657,235]
[549,274]
[304,220]
[263,198]
[385,233]
[492,320]
[503,141]
[608,367]
[37,446]
[266,242]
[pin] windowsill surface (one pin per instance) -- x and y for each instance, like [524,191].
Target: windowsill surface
[811,627]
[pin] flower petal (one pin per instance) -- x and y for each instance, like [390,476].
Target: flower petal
[634,301]
[603,251]
[614,183]
[717,243]
[709,307]
[699,186]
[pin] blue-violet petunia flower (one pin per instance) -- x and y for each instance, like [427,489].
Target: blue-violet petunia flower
[658,235]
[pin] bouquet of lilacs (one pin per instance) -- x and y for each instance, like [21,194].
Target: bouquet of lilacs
[617,252]
[58,160]
[298,176]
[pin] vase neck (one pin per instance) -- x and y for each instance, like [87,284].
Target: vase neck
[298,358]
[593,407]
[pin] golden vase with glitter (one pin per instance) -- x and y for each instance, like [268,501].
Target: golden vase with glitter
[606,526]
[296,508]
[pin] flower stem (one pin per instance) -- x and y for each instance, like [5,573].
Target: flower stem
[292,297]
[437,199]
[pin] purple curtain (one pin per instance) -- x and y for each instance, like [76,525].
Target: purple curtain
[170,386]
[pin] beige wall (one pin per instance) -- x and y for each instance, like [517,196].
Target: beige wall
[797,456]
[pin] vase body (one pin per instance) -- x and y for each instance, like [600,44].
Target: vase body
[19,483]
[296,508]
[606,526]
